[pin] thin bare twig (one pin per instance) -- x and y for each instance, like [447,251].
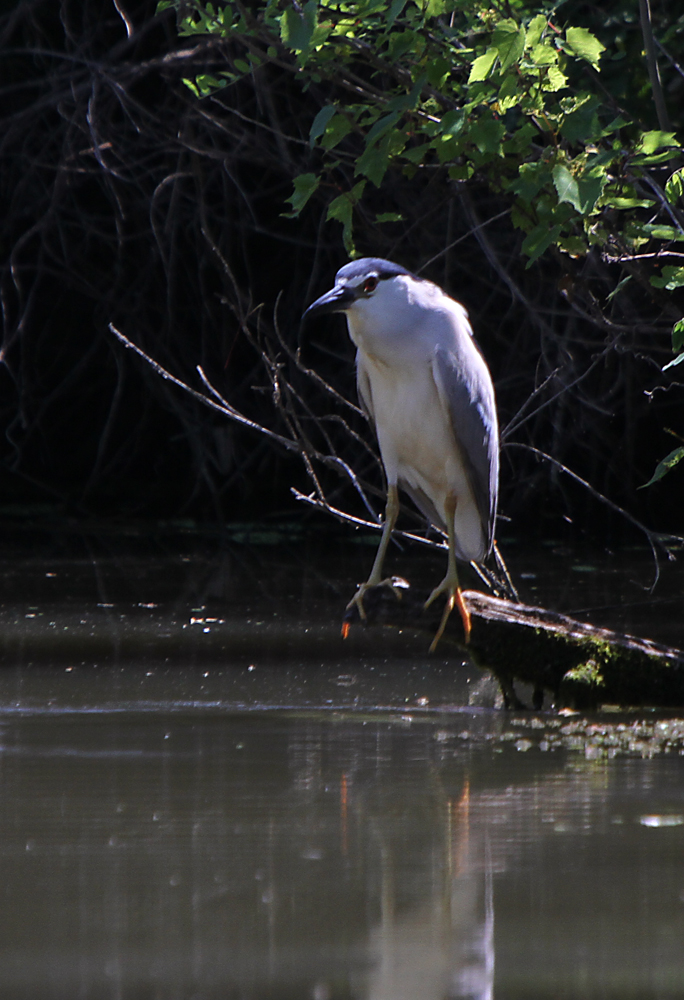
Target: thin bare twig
[654,538]
[223,407]
[652,63]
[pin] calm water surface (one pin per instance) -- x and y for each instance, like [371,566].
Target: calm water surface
[206,793]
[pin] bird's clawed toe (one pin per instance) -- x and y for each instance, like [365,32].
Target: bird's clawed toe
[357,601]
[396,585]
[454,597]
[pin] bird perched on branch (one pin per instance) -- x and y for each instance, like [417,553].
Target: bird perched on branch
[428,392]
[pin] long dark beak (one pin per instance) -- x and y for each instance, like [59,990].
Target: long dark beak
[335,301]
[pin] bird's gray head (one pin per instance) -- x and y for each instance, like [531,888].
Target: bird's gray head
[357,282]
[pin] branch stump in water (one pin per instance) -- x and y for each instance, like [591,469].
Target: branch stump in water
[582,666]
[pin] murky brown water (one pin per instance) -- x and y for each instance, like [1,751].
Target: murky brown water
[205,793]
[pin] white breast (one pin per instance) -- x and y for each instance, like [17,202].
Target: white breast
[418,445]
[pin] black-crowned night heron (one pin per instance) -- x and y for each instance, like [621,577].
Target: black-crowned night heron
[429,394]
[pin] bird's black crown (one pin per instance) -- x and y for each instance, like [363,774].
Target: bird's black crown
[371,265]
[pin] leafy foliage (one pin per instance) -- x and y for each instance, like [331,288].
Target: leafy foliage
[513,101]
[664,466]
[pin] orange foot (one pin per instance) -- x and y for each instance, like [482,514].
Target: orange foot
[454,596]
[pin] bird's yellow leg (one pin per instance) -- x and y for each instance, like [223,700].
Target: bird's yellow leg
[375,578]
[449,584]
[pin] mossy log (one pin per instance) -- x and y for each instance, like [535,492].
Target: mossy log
[581,666]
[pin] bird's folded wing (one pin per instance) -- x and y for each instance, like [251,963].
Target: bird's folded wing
[465,388]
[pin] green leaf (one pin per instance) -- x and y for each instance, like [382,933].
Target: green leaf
[389,217]
[461,172]
[320,122]
[581,192]
[342,208]
[509,41]
[381,126]
[365,9]
[660,232]
[437,72]
[535,29]
[335,131]
[618,288]
[555,80]
[591,186]
[202,22]
[206,84]
[634,233]
[521,140]
[418,153]
[673,277]
[531,179]
[452,122]
[655,158]
[566,186]
[402,102]
[296,29]
[435,7]
[671,364]
[674,187]
[413,98]
[481,67]
[650,142]
[615,125]
[375,159]
[487,133]
[304,187]
[668,463]
[447,148]
[394,12]
[678,335]
[582,124]
[509,95]
[539,240]
[400,43]
[615,201]
[544,55]
[574,245]
[373,164]
[321,32]
[190,84]
[584,45]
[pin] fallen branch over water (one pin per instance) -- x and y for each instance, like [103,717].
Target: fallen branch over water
[580,665]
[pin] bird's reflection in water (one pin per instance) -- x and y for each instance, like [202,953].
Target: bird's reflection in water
[443,948]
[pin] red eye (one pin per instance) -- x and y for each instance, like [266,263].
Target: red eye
[370,284]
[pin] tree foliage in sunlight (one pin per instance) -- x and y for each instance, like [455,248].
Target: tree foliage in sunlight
[516,101]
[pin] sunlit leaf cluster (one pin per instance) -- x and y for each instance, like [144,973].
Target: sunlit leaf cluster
[512,101]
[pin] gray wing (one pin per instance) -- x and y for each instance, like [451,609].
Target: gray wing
[465,386]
